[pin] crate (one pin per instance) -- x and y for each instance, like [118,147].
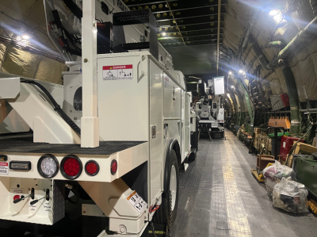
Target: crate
[301,148]
[263,160]
[262,140]
[257,131]
[306,172]
[286,145]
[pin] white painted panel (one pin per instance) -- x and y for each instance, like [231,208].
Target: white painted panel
[72,85]
[156,144]
[9,87]
[172,98]
[10,120]
[219,85]
[32,105]
[187,125]
[123,105]
[172,131]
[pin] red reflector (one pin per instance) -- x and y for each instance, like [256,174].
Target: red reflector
[16,197]
[114,167]
[71,167]
[92,168]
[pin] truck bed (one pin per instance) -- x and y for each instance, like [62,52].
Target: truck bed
[26,145]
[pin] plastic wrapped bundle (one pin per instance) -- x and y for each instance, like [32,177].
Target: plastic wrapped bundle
[274,175]
[290,196]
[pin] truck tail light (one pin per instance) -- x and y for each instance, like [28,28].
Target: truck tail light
[114,167]
[92,168]
[48,166]
[71,167]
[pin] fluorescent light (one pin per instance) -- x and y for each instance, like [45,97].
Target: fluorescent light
[25,37]
[278,18]
[164,33]
[277,15]
[273,12]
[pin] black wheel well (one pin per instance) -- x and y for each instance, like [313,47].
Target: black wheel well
[176,148]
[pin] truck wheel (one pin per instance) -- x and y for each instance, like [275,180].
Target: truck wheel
[166,214]
[93,226]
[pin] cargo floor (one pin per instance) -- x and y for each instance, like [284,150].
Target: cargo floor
[220,197]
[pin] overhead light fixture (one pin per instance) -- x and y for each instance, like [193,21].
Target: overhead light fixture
[164,33]
[232,87]
[230,73]
[277,15]
[241,71]
[273,12]
[25,37]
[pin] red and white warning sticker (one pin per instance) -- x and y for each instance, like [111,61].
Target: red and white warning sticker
[137,202]
[118,72]
[4,168]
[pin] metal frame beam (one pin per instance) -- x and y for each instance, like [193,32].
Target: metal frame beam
[130,3]
[190,21]
[176,6]
[218,40]
[206,26]
[171,13]
[195,38]
[189,14]
[89,120]
[180,44]
[189,33]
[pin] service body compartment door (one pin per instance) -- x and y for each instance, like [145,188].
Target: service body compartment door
[186,128]
[123,102]
[172,98]
[156,136]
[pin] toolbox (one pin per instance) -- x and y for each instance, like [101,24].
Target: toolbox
[305,167]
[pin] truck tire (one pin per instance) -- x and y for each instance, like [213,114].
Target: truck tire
[92,226]
[167,212]
[192,155]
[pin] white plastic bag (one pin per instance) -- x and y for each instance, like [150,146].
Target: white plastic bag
[290,196]
[273,175]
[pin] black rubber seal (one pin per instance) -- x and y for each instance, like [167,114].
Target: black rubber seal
[98,168]
[39,166]
[80,166]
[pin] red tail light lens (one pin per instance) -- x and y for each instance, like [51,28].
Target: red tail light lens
[71,167]
[16,197]
[114,167]
[92,168]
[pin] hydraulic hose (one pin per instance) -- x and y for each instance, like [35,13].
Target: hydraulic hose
[56,106]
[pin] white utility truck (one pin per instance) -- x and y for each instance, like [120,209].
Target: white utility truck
[115,135]
[210,108]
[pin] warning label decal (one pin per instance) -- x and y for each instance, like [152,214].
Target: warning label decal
[118,72]
[4,168]
[137,202]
